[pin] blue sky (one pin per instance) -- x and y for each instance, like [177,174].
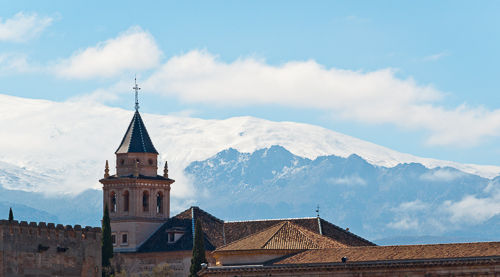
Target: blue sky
[416,76]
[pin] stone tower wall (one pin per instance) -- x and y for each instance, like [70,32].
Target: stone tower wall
[48,250]
[147,164]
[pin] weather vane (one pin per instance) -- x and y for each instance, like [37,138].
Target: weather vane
[136,88]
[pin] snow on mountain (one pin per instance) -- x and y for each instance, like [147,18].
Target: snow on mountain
[375,201]
[19,178]
[70,141]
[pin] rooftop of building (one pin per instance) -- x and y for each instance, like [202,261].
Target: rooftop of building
[218,233]
[395,253]
[136,139]
[283,235]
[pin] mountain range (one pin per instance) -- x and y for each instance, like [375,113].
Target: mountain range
[53,153]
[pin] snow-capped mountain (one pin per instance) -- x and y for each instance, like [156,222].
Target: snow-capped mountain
[52,155]
[375,201]
[70,141]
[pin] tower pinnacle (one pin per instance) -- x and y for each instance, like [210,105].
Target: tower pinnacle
[136,88]
[106,170]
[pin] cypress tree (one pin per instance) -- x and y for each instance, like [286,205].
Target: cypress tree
[198,250]
[11,215]
[107,244]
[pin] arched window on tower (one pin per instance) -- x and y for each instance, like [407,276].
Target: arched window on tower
[126,201]
[112,201]
[159,202]
[145,201]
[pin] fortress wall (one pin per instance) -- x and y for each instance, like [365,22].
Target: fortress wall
[46,249]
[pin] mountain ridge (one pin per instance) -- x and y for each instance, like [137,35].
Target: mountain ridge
[74,138]
[373,201]
[404,203]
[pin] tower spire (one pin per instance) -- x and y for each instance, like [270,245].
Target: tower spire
[136,88]
[106,170]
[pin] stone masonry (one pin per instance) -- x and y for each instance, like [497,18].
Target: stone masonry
[48,250]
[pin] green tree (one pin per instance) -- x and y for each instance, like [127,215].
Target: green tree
[107,244]
[198,250]
[11,215]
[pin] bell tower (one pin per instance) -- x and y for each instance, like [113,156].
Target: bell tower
[137,197]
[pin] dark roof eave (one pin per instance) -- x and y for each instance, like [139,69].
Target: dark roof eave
[131,177]
[378,264]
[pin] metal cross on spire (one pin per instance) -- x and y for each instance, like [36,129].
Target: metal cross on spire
[136,88]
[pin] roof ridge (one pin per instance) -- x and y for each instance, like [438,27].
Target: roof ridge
[305,232]
[432,244]
[202,211]
[253,234]
[297,228]
[272,235]
[272,219]
[412,245]
[140,133]
[206,213]
[347,232]
[302,229]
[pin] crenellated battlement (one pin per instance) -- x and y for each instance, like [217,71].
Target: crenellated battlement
[49,249]
[43,229]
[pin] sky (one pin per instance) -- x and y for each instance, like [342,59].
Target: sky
[419,77]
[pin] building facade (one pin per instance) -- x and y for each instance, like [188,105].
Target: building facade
[138,199]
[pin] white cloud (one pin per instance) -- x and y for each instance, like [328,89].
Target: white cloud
[372,97]
[441,174]
[419,217]
[472,209]
[405,223]
[406,215]
[16,63]
[105,95]
[23,27]
[348,181]
[413,206]
[133,50]
[430,217]
[435,57]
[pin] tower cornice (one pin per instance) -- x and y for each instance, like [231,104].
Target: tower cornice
[138,182]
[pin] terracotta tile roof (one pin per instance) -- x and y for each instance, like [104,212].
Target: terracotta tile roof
[219,233]
[283,235]
[239,229]
[395,253]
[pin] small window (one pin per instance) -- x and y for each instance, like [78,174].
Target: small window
[159,202]
[122,161]
[150,161]
[124,239]
[145,201]
[126,201]
[113,239]
[113,201]
[171,237]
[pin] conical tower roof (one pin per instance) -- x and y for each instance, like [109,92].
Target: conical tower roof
[136,139]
